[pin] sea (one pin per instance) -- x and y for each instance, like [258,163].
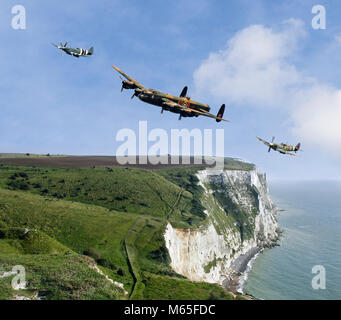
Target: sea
[307,264]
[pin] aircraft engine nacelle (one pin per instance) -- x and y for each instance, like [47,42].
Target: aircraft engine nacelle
[128,85]
[142,96]
[169,104]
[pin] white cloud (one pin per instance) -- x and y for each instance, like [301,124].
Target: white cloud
[255,69]
[337,39]
[317,117]
[252,68]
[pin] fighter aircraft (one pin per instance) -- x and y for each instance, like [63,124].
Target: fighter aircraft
[281,147]
[75,52]
[183,105]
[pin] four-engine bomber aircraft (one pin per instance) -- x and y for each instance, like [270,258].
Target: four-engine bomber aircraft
[182,105]
[281,147]
[75,52]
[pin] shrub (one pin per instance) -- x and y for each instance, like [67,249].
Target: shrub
[36,185]
[120,272]
[105,263]
[18,185]
[93,253]
[160,255]
[45,191]
[23,175]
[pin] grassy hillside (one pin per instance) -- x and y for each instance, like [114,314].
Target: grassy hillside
[57,276]
[61,221]
[27,241]
[122,189]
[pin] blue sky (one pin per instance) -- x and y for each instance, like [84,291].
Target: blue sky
[53,103]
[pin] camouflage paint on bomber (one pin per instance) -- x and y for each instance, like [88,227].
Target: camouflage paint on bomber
[182,105]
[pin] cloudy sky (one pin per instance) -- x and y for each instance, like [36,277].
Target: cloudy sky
[276,74]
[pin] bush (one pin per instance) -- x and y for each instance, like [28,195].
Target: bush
[120,272]
[93,253]
[58,195]
[43,192]
[105,263]
[160,255]
[23,175]
[18,185]
[36,185]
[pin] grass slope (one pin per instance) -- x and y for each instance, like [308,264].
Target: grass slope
[57,276]
[122,189]
[115,216]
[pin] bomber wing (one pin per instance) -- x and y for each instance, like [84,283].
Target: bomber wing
[139,85]
[206,114]
[202,113]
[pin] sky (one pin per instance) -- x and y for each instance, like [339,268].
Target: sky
[276,74]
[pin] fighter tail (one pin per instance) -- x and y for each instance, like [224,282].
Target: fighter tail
[91,51]
[297,147]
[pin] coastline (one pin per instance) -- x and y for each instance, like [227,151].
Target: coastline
[240,269]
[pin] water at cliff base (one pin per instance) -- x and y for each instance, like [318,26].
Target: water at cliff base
[312,236]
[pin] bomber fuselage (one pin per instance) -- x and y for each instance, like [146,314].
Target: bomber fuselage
[167,102]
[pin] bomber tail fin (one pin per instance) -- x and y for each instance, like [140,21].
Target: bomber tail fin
[183,92]
[220,113]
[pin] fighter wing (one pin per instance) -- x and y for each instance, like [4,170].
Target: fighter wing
[139,85]
[291,154]
[265,142]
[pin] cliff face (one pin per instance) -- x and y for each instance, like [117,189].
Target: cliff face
[240,221]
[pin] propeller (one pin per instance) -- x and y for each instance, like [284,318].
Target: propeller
[58,47]
[122,83]
[273,139]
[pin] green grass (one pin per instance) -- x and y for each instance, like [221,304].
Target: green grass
[168,288]
[57,277]
[18,240]
[27,155]
[236,164]
[75,225]
[187,180]
[115,216]
[126,190]
[241,219]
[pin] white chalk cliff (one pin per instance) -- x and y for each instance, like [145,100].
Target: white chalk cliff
[241,219]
